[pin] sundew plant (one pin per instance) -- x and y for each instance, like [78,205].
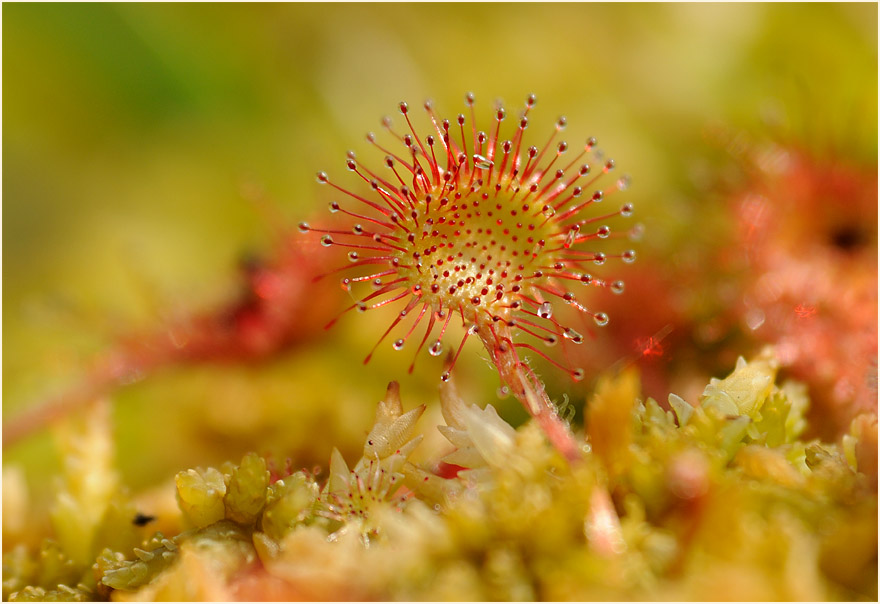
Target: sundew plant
[495,245]
[498,368]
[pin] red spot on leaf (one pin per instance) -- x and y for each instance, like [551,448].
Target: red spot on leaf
[804,311]
[650,347]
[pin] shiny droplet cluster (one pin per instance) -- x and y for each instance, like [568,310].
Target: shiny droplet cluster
[469,223]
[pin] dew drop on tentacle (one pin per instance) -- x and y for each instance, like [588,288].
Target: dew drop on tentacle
[599,258]
[398,344]
[617,287]
[626,209]
[353,256]
[601,319]
[503,392]
[345,284]
[603,232]
[436,349]
[545,310]
[304,227]
[573,335]
[629,256]
[577,375]
[326,240]
[571,236]
[482,162]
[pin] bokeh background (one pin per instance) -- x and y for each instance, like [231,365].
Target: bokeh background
[149,148]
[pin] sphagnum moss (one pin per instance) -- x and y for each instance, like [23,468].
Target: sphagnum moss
[668,504]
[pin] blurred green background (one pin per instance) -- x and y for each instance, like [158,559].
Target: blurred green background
[130,131]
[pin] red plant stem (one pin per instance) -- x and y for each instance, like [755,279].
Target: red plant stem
[271,314]
[112,371]
[496,337]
